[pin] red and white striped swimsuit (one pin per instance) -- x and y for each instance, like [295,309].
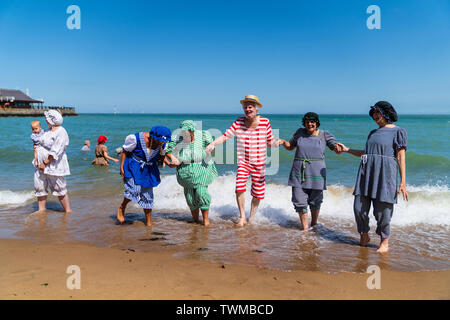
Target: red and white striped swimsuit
[251,153]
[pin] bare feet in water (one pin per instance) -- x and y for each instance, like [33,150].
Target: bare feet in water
[120,216]
[241,222]
[365,239]
[384,245]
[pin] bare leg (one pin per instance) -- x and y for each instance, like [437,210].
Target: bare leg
[205,213]
[121,210]
[65,202]
[148,217]
[42,201]
[364,238]
[304,220]
[384,245]
[254,208]
[240,199]
[195,214]
[314,217]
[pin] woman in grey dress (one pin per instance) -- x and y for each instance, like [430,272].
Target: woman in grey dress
[377,183]
[308,173]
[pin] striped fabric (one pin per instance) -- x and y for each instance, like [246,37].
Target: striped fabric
[193,171]
[251,153]
[251,143]
[143,196]
[258,179]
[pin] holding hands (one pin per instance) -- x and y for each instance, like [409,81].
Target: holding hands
[340,147]
[171,161]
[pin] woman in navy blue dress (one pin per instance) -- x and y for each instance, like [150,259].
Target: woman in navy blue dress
[377,183]
[139,169]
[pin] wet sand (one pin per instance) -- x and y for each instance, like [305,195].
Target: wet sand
[38,271]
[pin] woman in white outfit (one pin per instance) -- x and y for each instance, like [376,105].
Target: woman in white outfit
[52,162]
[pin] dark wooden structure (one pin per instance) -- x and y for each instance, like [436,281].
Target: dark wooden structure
[17,103]
[17,99]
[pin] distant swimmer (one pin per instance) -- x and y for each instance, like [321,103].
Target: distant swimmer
[87,143]
[376,182]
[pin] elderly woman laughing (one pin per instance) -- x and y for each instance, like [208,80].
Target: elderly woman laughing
[194,170]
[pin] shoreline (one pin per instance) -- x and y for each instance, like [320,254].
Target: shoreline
[38,271]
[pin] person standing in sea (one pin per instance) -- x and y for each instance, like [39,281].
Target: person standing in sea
[52,164]
[308,173]
[253,134]
[376,182]
[139,169]
[101,153]
[195,172]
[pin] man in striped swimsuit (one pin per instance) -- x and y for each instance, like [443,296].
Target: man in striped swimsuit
[253,135]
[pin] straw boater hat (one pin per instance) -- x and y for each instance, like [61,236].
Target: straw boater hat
[251,98]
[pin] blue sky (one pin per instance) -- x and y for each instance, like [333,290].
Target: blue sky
[204,56]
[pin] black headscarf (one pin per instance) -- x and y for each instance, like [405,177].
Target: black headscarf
[386,109]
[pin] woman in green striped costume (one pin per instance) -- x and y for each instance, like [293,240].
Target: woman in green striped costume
[195,169]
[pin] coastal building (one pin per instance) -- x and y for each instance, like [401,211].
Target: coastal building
[17,103]
[17,99]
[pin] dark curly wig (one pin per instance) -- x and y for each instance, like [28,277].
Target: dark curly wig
[311,116]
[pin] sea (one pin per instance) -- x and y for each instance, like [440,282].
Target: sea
[419,229]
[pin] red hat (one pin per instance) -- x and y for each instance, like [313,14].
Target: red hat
[102,139]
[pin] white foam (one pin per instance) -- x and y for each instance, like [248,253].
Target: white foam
[427,204]
[10,198]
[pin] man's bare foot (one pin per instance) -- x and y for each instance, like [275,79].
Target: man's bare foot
[365,239]
[384,246]
[120,216]
[241,222]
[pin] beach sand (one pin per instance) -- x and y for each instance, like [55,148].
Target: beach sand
[38,271]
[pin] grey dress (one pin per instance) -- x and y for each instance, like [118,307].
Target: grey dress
[377,174]
[308,169]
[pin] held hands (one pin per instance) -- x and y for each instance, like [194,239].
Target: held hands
[340,147]
[210,148]
[174,162]
[279,142]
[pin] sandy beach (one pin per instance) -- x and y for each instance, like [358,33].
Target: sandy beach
[38,271]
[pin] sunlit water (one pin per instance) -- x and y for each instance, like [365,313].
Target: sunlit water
[420,227]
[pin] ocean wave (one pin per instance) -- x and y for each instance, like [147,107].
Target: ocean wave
[427,204]
[10,198]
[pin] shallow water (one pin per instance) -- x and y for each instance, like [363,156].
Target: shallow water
[274,240]
[420,227]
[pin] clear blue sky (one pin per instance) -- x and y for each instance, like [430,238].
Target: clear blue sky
[204,56]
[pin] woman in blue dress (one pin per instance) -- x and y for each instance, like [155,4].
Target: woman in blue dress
[377,183]
[139,169]
[308,173]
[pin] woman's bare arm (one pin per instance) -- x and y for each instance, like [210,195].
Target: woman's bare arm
[122,161]
[287,145]
[219,140]
[110,158]
[401,160]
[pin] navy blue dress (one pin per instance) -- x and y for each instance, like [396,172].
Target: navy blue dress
[378,172]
